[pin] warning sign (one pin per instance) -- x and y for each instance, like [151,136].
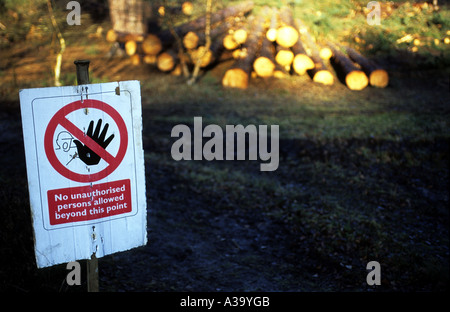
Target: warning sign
[90,146]
[85,168]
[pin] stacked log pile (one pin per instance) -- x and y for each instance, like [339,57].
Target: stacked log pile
[270,44]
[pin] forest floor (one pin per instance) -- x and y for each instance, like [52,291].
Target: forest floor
[362,176]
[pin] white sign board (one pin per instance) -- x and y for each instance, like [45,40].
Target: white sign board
[85,167]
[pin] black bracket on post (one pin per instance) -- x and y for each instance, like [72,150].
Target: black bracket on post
[82,71]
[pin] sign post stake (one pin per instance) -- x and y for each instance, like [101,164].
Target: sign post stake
[82,68]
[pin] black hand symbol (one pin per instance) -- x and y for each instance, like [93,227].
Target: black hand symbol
[84,152]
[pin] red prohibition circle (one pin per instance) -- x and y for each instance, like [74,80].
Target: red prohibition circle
[60,119]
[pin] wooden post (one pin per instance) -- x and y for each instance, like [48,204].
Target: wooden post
[82,67]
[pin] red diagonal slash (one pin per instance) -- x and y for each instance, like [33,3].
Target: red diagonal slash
[60,119]
[86,140]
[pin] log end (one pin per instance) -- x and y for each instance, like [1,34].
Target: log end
[149,59]
[151,44]
[323,77]
[235,78]
[302,63]
[165,62]
[111,36]
[187,8]
[279,74]
[240,36]
[284,57]
[287,36]
[356,80]
[271,34]
[205,55]
[130,47]
[379,78]
[264,67]
[326,53]
[229,43]
[190,40]
[135,59]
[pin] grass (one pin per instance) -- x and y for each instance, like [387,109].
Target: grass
[360,174]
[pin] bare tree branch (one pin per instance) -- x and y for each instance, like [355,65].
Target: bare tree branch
[207,44]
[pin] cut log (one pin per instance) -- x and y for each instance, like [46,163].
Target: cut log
[149,59]
[301,62]
[209,57]
[229,43]
[135,59]
[239,74]
[264,64]
[194,39]
[280,71]
[284,56]
[355,79]
[240,36]
[320,73]
[130,47]
[167,60]
[190,40]
[151,45]
[378,77]
[271,33]
[187,8]
[287,34]
[177,71]
[111,36]
[200,23]
[325,53]
[239,53]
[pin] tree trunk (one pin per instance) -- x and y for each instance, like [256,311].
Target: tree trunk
[151,45]
[284,56]
[271,33]
[127,16]
[302,62]
[194,39]
[211,56]
[264,65]
[238,75]
[378,77]
[320,72]
[167,60]
[287,34]
[200,23]
[355,79]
